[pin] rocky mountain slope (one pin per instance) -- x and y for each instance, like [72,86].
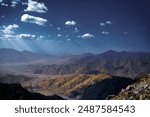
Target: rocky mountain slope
[81,86]
[137,91]
[122,64]
[16,92]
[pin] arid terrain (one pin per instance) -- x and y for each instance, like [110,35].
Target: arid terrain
[109,75]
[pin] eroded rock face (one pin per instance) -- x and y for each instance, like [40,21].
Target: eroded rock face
[137,91]
[16,92]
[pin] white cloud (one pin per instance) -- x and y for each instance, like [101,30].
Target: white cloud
[102,24]
[41,37]
[105,33]
[70,23]
[17,36]
[23,36]
[32,19]
[14,4]
[7,36]
[109,22]
[9,33]
[76,30]
[3,16]
[59,35]
[106,23]
[4,4]
[24,3]
[69,39]
[87,35]
[58,28]
[34,6]
[9,29]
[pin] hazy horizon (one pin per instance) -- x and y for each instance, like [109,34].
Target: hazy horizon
[74,53]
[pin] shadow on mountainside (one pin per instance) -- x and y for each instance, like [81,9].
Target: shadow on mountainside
[16,92]
[102,89]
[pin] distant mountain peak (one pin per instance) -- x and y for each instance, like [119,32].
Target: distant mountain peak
[10,49]
[110,52]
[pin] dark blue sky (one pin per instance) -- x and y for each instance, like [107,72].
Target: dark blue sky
[75,26]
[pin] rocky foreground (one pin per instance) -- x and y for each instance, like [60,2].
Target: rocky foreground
[137,91]
[81,86]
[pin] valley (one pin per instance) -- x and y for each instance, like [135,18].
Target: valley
[78,77]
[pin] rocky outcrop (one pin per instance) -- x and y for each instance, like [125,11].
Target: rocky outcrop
[137,91]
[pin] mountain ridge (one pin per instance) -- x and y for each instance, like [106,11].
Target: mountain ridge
[127,64]
[123,64]
[81,86]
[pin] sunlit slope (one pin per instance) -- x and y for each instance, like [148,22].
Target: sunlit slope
[81,86]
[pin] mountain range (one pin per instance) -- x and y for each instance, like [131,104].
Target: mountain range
[122,64]
[83,76]
[14,56]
